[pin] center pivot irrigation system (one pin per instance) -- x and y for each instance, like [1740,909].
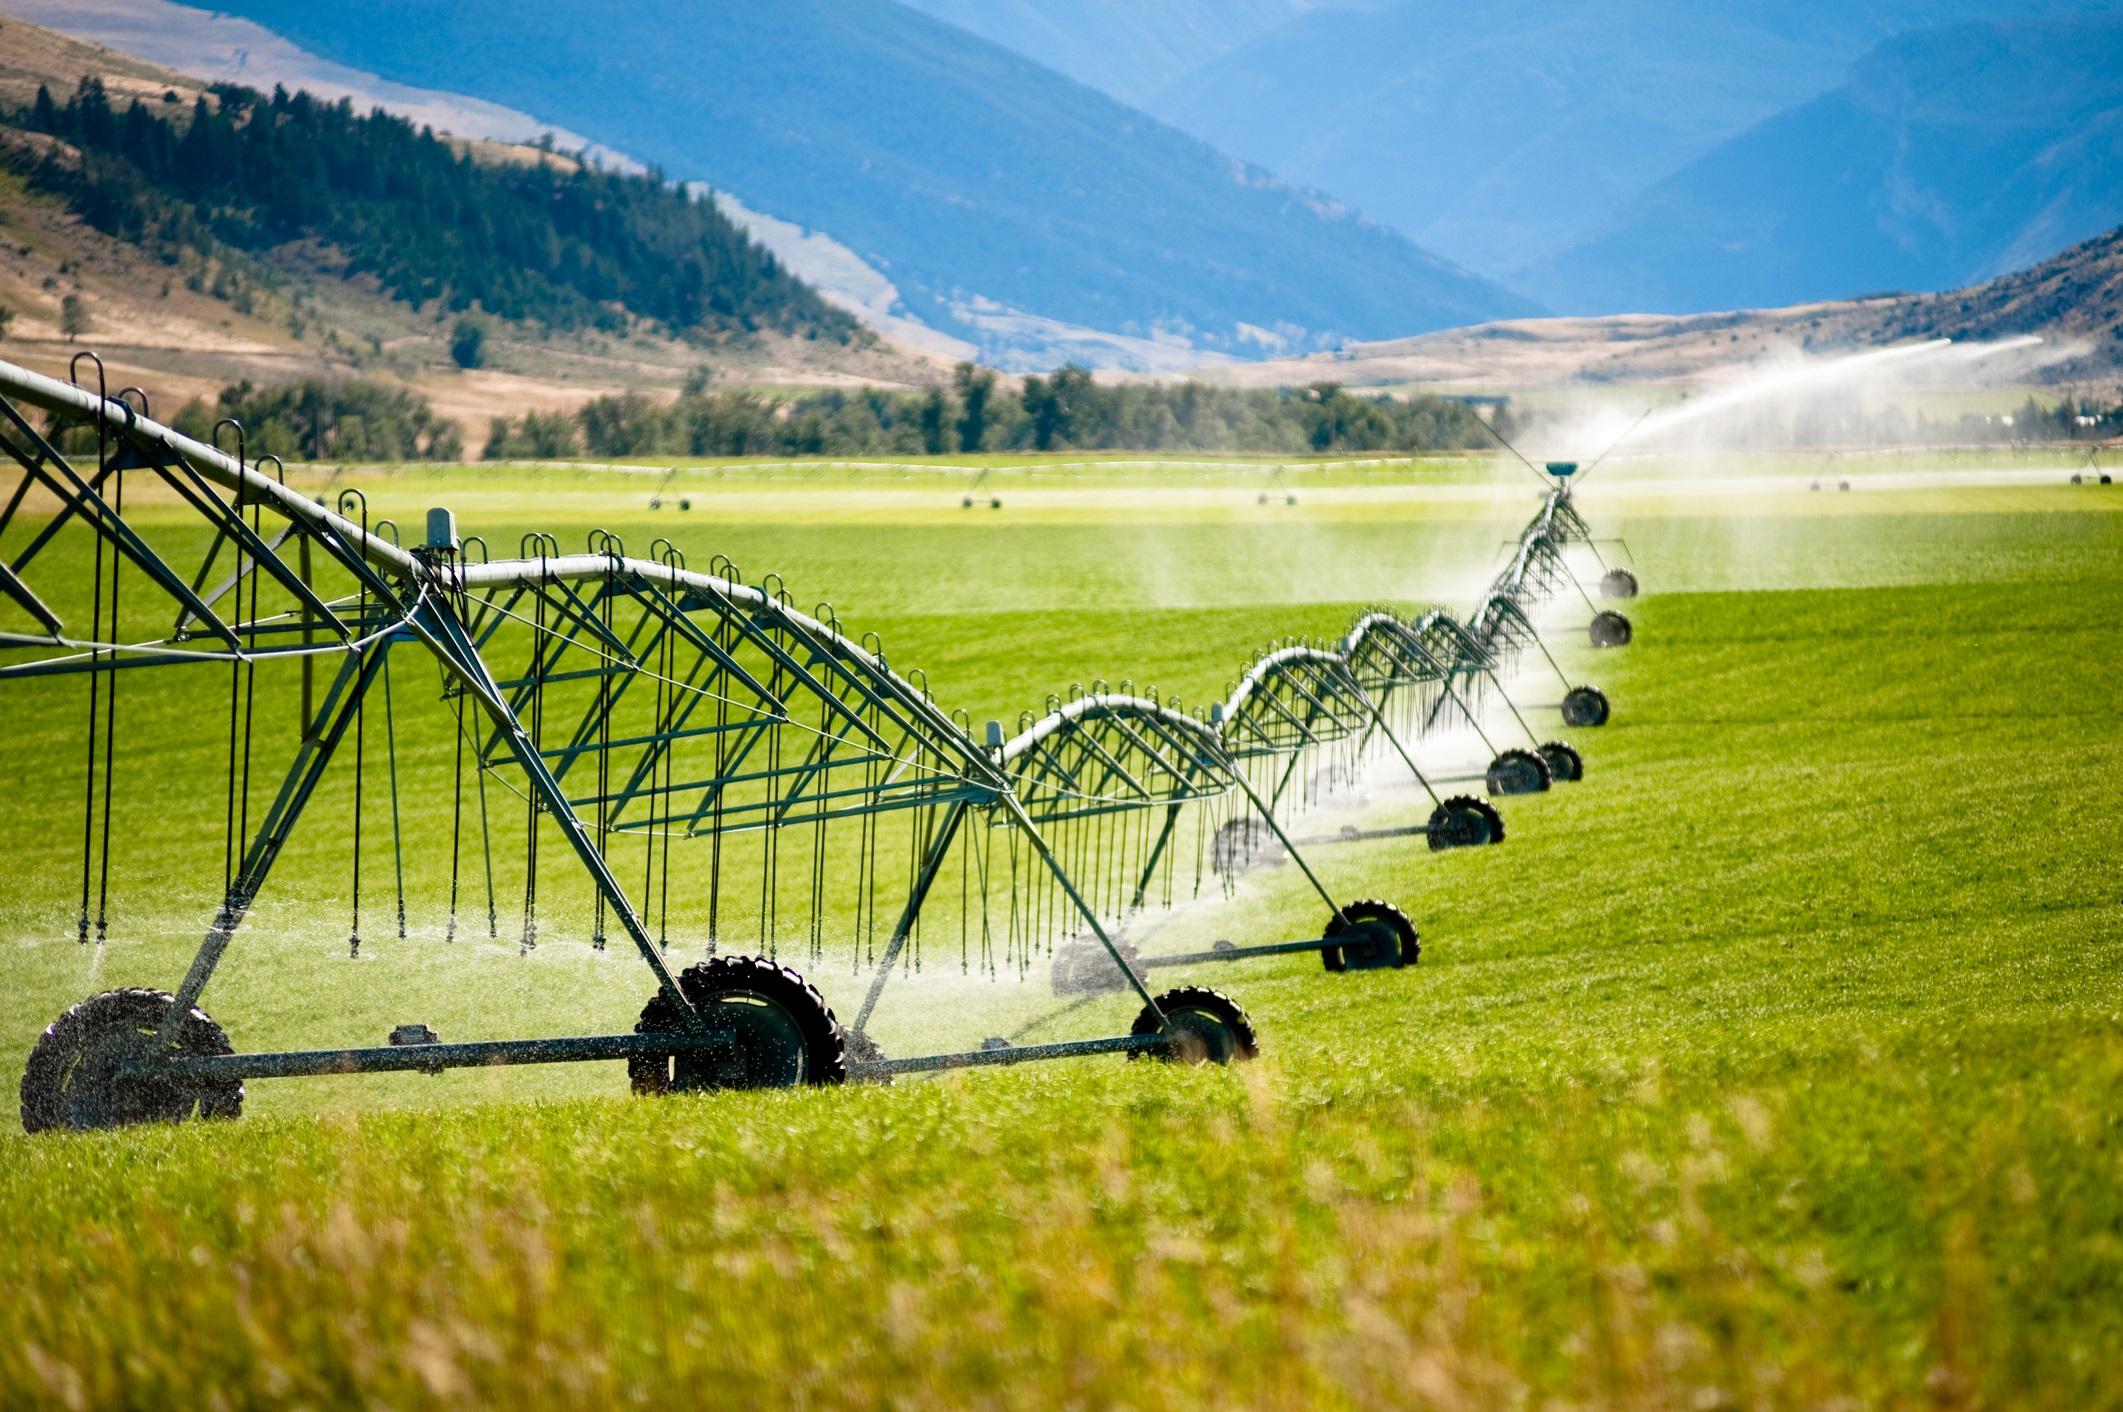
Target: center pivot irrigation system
[1114,777]
[1539,567]
[616,705]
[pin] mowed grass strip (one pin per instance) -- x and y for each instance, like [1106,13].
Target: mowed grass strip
[1774,1065]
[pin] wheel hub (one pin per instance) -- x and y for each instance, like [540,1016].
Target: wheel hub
[1518,772]
[767,1049]
[107,1087]
[1195,1037]
[1370,946]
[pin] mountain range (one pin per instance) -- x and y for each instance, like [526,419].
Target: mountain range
[1157,184]
[1650,154]
[1502,134]
[1950,156]
[1131,50]
[1002,200]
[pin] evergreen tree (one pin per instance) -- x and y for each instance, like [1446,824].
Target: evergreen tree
[935,410]
[468,343]
[975,386]
[568,246]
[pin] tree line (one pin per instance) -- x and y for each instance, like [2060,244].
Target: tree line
[354,420]
[1066,410]
[316,420]
[555,241]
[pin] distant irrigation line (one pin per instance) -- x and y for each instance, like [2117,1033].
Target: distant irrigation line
[924,468]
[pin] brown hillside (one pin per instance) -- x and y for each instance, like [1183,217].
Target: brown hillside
[2075,295]
[2074,300]
[293,315]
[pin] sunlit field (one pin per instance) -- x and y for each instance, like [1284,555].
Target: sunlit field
[1775,1064]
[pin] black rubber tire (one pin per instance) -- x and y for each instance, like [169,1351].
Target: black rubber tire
[1610,629]
[799,1042]
[1202,1026]
[1564,762]
[1083,967]
[70,1080]
[1585,706]
[1519,772]
[1392,939]
[1618,583]
[1244,843]
[1464,821]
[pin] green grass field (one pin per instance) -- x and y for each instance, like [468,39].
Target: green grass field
[1777,1064]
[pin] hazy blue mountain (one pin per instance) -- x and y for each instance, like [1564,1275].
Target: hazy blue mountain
[1128,49]
[980,182]
[1948,157]
[1501,134]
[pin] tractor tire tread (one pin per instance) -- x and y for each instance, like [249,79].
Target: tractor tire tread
[44,1076]
[1372,909]
[1204,998]
[828,1059]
